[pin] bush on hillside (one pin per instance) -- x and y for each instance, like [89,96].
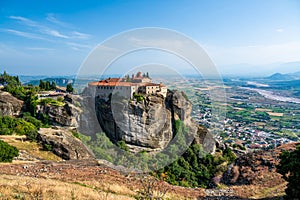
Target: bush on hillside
[10,125]
[7,152]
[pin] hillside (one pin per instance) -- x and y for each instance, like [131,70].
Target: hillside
[54,163]
[89,179]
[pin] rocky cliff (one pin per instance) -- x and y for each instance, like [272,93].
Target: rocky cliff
[10,105]
[148,123]
[67,115]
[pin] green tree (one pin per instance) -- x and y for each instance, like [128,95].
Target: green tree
[47,85]
[7,152]
[53,85]
[289,167]
[70,88]
[42,85]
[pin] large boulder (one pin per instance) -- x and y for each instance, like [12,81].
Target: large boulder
[64,144]
[10,105]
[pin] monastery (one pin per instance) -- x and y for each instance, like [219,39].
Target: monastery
[127,87]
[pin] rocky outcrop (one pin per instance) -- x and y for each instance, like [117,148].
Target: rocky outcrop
[64,144]
[146,124]
[257,167]
[10,105]
[67,115]
[149,124]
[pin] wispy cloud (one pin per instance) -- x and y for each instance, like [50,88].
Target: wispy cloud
[77,46]
[25,21]
[24,34]
[51,18]
[56,34]
[79,35]
[49,31]
[40,48]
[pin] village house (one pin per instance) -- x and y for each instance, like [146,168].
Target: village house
[127,87]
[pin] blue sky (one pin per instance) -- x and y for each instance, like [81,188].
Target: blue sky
[54,37]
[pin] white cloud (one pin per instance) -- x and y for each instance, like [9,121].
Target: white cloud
[56,34]
[77,46]
[25,21]
[24,34]
[51,18]
[79,35]
[280,30]
[40,48]
[51,32]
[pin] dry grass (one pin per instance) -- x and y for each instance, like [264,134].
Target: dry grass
[32,148]
[16,187]
[259,192]
[108,187]
[29,188]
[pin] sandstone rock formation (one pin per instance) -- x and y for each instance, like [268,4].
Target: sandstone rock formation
[64,144]
[149,124]
[67,115]
[10,105]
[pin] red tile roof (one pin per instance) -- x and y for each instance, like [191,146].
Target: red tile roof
[120,82]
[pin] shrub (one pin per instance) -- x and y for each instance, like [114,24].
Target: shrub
[289,167]
[32,135]
[10,125]
[76,134]
[122,145]
[47,147]
[138,97]
[50,101]
[7,152]
[37,123]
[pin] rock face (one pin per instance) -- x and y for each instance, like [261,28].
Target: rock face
[149,124]
[64,144]
[67,115]
[10,105]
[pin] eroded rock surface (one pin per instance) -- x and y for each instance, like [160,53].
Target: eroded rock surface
[64,144]
[67,115]
[149,124]
[10,105]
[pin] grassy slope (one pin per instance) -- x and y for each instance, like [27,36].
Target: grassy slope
[75,182]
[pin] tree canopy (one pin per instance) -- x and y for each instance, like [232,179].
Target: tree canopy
[289,167]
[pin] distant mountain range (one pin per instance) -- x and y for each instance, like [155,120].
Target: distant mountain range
[59,81]
[284,77]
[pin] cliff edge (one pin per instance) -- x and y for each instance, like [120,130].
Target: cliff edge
[147,122]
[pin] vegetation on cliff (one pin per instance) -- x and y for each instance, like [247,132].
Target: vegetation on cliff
[289,167]
[194,168]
